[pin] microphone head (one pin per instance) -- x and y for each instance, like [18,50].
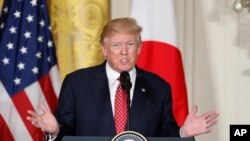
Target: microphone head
[125,81]
[124,76]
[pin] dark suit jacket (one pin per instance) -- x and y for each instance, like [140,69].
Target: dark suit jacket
[84,106]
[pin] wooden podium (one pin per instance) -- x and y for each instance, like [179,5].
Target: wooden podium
[90,138]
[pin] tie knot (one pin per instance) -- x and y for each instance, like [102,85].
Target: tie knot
[118,79]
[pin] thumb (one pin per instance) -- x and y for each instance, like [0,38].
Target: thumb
[194,110]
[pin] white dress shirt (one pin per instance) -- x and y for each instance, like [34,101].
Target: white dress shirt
[113,83]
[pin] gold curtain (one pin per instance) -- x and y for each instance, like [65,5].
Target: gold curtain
[1,4]
[76,25]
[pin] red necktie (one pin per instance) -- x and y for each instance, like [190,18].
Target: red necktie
[120,109]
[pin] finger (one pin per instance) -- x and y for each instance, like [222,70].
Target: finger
[36,124]
[44,108]
[29,118]
[33,119]
[208,130]
[211,123]
[33,114]
[205,115]
[194,110]
[211,117]
[43,130]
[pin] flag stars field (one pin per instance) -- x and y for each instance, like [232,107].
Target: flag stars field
[33,2]
[6,60]
[27,34]
[40,39]
[2,26]
[35,70]
[17,14]
[38,55]
[10,46]
[50,43]
[30,18]
[13,30]
[5,10]
[21,66]
[23,50]
[42,23]
[49,59]
[17,81]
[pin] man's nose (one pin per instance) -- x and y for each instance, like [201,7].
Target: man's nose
[124,49]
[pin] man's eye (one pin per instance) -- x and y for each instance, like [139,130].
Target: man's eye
[131,44]
[115,45]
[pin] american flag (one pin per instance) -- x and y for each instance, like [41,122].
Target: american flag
[28,67]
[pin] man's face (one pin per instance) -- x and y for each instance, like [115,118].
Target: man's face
[121,51]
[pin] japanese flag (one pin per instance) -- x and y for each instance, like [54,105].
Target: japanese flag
[160,53]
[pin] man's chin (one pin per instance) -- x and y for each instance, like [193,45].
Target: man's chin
[125,69]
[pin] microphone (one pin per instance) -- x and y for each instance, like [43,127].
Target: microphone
[126,85]
[125,81]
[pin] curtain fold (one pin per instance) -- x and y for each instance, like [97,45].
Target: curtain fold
[1,4]
[76,25]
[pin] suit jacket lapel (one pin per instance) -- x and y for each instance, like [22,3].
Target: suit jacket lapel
[101,92]
[138,101]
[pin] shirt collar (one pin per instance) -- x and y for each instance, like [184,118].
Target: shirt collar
[113,75]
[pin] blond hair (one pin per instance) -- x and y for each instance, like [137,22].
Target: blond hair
[121,25]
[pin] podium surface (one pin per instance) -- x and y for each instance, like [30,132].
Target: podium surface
[92,138]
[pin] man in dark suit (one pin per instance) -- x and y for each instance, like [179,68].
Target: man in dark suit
[86,105]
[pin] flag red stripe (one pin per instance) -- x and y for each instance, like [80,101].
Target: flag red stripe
[165,60]
[22,104]
[49,92]
[5,134]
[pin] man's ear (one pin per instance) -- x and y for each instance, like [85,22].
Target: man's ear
[103,50]
[139,48]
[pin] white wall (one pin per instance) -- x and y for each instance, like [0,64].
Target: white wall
[120,8]
[215,45]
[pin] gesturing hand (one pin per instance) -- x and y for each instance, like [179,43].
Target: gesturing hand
[45,121]
[195,125]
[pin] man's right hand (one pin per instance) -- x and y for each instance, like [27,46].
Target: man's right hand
[45,121]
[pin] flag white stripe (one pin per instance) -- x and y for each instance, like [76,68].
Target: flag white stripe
[11,117]
[35,94]
[55,79]
[149,13]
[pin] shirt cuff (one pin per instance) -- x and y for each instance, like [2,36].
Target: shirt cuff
[48,137]
[180,132]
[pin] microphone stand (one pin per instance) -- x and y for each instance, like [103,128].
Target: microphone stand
[128,109]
